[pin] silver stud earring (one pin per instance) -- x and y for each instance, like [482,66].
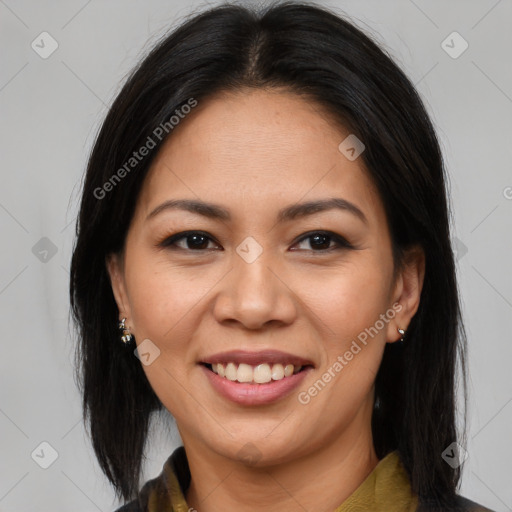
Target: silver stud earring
[126,335]
[402,333]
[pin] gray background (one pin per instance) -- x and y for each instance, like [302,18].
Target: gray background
[50,111]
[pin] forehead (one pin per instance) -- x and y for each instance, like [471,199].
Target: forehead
[257,146]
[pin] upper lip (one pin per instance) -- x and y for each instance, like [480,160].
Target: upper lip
[254,358]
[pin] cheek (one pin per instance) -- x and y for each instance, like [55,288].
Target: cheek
[164,306]
[350,299]
[160,296]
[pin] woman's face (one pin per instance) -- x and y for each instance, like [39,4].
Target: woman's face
[261,276]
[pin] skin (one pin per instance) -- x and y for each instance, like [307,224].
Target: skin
[255,152]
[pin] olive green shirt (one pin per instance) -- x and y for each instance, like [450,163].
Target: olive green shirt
[386,489]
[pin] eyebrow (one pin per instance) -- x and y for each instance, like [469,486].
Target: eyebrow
[217,212]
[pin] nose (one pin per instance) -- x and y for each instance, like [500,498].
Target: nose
[255,295]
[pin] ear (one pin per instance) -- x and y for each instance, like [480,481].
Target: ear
[407,291]
[115,268]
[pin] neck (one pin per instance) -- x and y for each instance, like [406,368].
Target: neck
[319,481]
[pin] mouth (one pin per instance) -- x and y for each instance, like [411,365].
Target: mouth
[254,374]
[254,378]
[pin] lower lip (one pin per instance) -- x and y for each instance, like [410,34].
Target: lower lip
[255,394]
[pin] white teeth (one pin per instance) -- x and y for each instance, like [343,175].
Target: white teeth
[277,371]
[260,374]
[244,373]
[230,371]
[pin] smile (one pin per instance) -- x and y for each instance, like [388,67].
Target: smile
[259,374]
[255,378]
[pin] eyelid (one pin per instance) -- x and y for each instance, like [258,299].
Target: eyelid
[170,241]
[340,241]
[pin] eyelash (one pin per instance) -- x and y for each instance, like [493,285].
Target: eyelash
[170,242]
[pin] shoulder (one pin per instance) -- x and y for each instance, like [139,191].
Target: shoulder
[461,505]
[166,488]
[140,503]
[132,506]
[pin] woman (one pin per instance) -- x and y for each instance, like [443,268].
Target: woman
[263,250]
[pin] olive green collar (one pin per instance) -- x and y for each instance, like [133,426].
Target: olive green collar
[386,488]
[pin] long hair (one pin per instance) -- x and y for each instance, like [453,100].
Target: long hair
[321,56]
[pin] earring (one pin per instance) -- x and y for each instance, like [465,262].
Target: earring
[126,335]
[402,333]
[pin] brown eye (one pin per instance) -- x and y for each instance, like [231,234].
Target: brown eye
[187,241]
[320,241]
